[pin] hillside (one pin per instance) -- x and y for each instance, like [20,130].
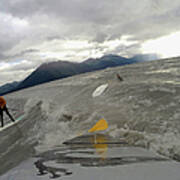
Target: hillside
[62,69]
[8,87]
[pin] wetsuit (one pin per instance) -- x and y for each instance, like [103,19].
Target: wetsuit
[4,108]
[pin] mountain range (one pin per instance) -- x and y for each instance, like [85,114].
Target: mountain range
[62,69]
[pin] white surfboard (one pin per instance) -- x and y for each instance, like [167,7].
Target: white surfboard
[12,123]
[99,90]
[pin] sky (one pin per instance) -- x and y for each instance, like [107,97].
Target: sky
[33,32]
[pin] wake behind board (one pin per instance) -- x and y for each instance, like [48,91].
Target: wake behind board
[12,123]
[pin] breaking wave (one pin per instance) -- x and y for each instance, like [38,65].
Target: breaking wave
[54,125]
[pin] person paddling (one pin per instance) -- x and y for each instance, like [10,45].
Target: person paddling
[3,107]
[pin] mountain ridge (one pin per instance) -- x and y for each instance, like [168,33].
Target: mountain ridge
[50,71]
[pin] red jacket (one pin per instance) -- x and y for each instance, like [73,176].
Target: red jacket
[2,102]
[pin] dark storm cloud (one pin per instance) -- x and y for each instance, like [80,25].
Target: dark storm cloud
[25,52]
[2,56]
[54,37]
[96,20]
[31,28]
[77,10]
[18,55]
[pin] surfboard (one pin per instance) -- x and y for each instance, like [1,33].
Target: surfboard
[89,139]
[90,143]
[99,90]
[12,123]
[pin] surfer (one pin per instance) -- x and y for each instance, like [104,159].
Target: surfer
[119,77]
[3,107]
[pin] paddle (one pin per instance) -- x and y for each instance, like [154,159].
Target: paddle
[101,125]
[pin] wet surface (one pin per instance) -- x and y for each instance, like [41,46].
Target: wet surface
[43,170]
[96,157]
[92,151]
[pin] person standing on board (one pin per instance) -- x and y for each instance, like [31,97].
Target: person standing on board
[4,108]
[119,77]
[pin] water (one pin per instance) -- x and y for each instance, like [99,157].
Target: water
[143,109]
[97,161]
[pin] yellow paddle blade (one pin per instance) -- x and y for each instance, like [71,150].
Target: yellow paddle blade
[99,126]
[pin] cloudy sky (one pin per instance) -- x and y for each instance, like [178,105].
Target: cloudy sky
[37,31]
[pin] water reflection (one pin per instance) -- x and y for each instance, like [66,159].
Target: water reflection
[90,151]
[100,144]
